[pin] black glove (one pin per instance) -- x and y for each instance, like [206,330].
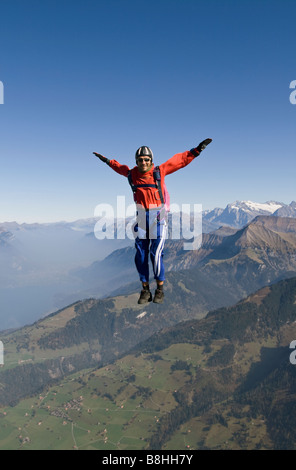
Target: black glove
[203,145]
[103,159]
[196,151]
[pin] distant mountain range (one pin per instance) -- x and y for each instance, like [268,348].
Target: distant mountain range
[236,214]
[46,266]
[227,269]
[240,213]
[239,261]
[203,370]
[35,265]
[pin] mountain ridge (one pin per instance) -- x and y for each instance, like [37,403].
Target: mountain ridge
[45,262]
[229,269]
[240,213]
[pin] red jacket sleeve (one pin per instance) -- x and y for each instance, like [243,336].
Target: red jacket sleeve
[177,162]
[121,169]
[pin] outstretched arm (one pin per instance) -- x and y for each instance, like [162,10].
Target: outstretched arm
[180,160]
[102,158]
[120,169]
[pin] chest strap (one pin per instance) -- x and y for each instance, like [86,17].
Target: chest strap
[157,185]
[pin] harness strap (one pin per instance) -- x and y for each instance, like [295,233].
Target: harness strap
[157,179]
[157,185]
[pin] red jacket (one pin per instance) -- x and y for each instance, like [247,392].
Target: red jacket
[148,197]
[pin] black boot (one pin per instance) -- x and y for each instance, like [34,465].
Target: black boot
[145,295]
[159,295]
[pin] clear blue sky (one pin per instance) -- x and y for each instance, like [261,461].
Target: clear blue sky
[111,75]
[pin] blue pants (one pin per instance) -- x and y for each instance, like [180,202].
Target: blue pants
[151,238]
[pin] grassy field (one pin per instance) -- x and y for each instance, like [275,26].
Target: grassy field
[118,407]
[21,347]
[121,406]
[115,407]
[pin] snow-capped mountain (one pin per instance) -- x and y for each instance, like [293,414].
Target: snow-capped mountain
[239,213]
[286,211]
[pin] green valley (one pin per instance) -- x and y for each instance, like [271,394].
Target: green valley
[221,382]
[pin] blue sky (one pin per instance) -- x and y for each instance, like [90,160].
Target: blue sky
[111,75]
